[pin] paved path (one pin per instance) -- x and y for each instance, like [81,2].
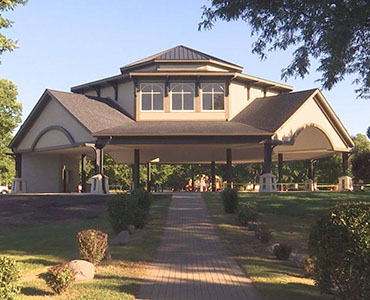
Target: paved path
[191,262]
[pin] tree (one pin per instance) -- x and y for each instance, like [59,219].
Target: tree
[334,32]
[10,117]
[362,144]
[368,132]
[7,44]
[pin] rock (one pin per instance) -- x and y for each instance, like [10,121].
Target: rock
[131,229]
[297,260]
[84,270]
[121,239]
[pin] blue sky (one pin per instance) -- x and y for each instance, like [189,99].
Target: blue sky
[69,42]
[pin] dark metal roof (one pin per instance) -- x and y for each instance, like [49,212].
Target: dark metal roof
[270,113]
[183,128]
[178,53]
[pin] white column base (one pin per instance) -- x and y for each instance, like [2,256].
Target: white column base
[345,184]
[97,185]
[18,186]
[268,183]
[309,185]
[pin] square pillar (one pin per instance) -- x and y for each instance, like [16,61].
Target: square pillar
[228,167]
[148,176]
[267,162]
[213,176]
[192,178]
[267,180]
[83,172]
[136,169]
[310,170]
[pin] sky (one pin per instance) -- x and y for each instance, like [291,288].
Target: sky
[67,43]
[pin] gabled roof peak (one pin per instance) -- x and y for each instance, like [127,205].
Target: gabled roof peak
[178,54]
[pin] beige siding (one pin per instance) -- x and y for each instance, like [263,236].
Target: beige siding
[54,115]
[107,92]
[238,98]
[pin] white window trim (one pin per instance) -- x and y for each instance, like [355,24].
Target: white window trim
[201,97]
[142,85]
[192,86]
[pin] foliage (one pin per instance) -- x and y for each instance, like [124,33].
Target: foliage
[93,245]
[368,132]
[282,251]
[313,28]
[247,212]
[328,169]
[230,200]
[7,44]
[362,144]
[10,117]
[9,274]
[361,167]
[263,233]
[59,278]
[340,241]
[308,265]
[129,209]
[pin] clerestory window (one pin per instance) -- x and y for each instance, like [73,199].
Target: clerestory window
[152,97]
[182,97]
[213,96]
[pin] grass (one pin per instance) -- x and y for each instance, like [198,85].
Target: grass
[289,216]
[38,248]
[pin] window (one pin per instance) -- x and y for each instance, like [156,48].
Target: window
[152,97]
[213,96]
[182,96]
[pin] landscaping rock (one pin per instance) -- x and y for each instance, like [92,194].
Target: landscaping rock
[270,249]
[298,259]
[84,270]
[121,239]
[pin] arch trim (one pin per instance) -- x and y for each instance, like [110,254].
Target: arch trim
[50,128]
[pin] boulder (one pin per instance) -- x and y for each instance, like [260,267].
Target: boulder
[298,259]
[121,239]
[131,229]
[84,270]
[270,249]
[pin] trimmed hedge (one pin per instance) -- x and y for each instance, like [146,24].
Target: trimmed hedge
[230,200]
[9,275]
[247,212]
[59,278]
[93,245]
[340,244]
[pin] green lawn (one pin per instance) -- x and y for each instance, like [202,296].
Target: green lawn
[289,216]
[37,248]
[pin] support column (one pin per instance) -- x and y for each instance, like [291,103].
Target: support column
[267,157]
[18,184]
[267,180]
[213,176]
[228,167]
[345,157]
[18,165]
[280,165]
[149,176]
[345,182]
[310,171]
[136,169]
[83,172]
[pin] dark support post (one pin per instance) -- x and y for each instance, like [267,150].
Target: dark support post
[267,157]
[280,165]
[345,157]
[149,176]
[99,168]
[213,176]
[310,169]
[18,165]
[228,167]
[192,178]
[83,172]
[136,169]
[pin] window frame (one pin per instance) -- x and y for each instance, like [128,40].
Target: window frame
[202,85]
[142,86]
[192,86]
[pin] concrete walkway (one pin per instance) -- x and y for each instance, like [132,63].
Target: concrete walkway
[191,262]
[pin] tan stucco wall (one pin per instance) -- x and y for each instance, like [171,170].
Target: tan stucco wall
[42,172]
[52,138]
[107,92]
[310,114]
[126,97]
[54,115]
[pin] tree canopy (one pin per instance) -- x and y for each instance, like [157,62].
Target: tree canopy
[335,32]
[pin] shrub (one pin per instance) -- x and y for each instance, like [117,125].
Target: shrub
[93,245]
[263,233]
[141,218]
[143,198]
[340,243]
[59,278]
[282,251]
[307,264]
[230,200]
[9,274]
[247,212]
[121,211]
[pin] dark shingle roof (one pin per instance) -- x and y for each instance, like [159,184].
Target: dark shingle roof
[182,128]
[178,53]
[94,113]
[270,113]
